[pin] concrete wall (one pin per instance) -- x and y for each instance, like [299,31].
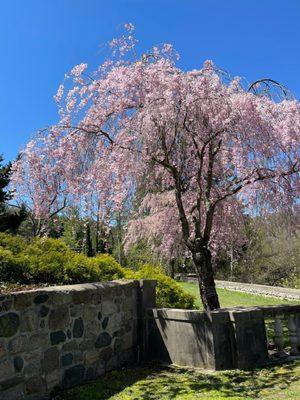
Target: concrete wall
[222,339]
[61,336]
[181,337]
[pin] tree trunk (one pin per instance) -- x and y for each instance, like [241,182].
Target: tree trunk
[87,246]
[172,268]
[203,264]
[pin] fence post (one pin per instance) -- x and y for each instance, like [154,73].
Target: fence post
[146,298]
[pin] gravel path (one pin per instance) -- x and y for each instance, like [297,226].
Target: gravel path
[272,291]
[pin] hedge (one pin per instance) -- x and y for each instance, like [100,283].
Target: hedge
[50,261]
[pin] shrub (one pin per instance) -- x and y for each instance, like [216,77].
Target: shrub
[47,259]
[92,269]
[169,293]
[15,244]
[50,261]
[108,267]
[80,269]
[13,268]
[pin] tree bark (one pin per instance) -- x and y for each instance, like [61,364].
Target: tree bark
[203,265]
[172,268]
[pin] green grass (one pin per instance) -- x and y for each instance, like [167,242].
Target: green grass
[229,298]
[154,383]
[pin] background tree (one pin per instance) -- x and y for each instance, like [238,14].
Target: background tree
[271,255]
[208,147]
[87,245]
[73,228]
[10,216]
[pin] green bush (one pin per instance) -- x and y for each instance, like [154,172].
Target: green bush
[15,244]
[50,261]
[169,293]
[8,264]
[47,259]
[80,269]
[108,267]
[92,269]
[13,268]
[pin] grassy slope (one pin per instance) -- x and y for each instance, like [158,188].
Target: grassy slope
[152,383]
[229,298]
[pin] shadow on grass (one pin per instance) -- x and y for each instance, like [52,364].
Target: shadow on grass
[109,384]
[153,383]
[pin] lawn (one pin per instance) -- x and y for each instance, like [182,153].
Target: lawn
[154,383]
[229,298]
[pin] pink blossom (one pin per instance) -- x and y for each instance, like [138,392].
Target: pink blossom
[203,150]
[78,69]
[59,93]
[129,27]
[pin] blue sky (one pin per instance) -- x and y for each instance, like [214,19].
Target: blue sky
[41,40]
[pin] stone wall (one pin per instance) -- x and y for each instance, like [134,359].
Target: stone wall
[61,336]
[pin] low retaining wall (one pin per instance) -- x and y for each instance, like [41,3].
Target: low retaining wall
[58,337]
[222,339]
[189,338]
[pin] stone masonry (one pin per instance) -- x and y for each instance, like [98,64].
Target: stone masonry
[57,337]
